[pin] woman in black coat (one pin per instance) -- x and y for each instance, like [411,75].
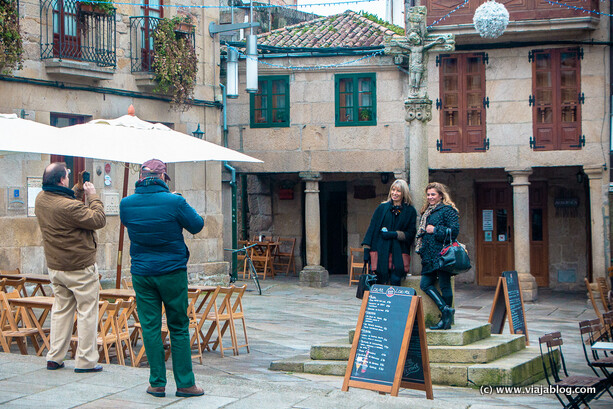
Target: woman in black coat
[438,214]
[388,240]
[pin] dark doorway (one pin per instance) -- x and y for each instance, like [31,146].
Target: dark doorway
[333,216]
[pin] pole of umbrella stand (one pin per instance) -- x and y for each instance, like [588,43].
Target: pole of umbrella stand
[121,226]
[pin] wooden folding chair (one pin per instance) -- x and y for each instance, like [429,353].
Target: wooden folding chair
[202,315]
[16,284]
[236,313]
[114,330]
[591,331]
[590,293]
[10,331]
[218,314]
[262,260]
[357,261]
[603,289]
[284,255]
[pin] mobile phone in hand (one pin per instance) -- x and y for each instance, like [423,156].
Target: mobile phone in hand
[86,177]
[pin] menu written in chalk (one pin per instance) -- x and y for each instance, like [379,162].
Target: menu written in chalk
[508,304]
[515,302]
[382,334]
[413,366]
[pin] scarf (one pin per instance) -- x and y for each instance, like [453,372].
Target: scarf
[59,190]
[422,227]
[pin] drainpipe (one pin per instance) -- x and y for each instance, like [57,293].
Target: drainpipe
[232,170]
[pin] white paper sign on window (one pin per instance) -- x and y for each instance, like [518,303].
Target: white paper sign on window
[35,186]
[488,220]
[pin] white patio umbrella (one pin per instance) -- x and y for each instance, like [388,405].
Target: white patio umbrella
[125,139]
[24,135]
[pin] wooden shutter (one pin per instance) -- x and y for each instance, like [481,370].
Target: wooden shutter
[556,86]
[462,93]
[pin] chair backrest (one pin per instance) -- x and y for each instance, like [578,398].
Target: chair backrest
[553,346]
[122,329]
[18,285]
[108,321]
[206,310]
[15,271]
[590,293]
[607,319]
[127,284]
[193,296]
[357,257]
[8,317]
[222,305]
[236,299]
[286,246]
[603,289]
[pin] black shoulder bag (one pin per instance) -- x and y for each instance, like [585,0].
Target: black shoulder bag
[367,279]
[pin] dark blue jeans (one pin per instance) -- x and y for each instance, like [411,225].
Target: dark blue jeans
[444,281]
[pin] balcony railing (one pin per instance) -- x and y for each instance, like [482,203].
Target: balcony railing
[68,31]
[142,51]
[523,10]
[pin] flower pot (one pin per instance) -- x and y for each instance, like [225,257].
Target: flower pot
[184,28]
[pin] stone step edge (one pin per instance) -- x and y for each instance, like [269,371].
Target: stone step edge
[482,351]
[527,369]
[462,334]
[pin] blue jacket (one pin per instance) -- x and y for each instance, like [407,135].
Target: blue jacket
[155,219]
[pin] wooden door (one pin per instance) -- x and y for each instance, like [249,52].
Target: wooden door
[539,237]
[494,231]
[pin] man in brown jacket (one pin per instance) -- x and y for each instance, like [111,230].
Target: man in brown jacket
[68,228]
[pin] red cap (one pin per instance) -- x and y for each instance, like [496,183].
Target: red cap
[155,166]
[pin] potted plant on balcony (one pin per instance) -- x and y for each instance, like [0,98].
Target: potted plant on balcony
[174,63]
[11,47]
[96,7]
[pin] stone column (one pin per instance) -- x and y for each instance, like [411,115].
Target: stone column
[521,232]
[599,211]
[313,274]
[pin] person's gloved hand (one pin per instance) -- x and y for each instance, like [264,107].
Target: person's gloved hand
[389,235]
[367,255]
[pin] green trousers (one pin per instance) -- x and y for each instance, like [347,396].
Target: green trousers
[151,292]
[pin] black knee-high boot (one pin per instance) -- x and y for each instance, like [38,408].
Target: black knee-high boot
[446,312]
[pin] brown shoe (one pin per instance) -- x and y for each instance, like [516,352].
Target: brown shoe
[157,391]
[189,392]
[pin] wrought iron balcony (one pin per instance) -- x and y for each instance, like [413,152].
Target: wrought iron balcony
[70,31]
[142,50]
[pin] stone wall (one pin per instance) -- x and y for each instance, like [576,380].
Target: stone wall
[199,183]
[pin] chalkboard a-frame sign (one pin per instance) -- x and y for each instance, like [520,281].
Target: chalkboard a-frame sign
[509,303]
[389,348]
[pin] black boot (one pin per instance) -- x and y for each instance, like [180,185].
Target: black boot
[445,322]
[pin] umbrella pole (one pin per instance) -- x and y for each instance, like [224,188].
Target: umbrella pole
[122,227]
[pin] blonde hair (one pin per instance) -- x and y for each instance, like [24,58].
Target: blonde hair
[443,191]
[404,189]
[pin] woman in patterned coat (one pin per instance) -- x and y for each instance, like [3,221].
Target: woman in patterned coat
[438,214]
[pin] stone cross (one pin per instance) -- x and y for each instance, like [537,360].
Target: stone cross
[415,46]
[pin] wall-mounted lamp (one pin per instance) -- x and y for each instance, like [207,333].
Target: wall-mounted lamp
[509,178]
[252,63]
[385,177]
[580,176]
[198,133]
[232,73]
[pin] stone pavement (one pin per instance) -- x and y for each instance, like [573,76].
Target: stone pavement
[285,321]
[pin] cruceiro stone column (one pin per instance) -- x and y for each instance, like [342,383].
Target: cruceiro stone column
[599,211]
[313,274]
[521,230]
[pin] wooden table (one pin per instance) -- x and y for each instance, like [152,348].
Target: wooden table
[603,346]
[38,279]
[28,305]
[115,293]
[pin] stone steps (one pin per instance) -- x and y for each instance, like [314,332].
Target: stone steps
[466,355]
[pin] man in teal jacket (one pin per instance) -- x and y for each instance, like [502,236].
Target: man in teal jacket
[155,219]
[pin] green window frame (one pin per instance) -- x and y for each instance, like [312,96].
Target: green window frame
[269,106]
[355,99]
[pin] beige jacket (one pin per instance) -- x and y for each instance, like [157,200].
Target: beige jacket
[68,228]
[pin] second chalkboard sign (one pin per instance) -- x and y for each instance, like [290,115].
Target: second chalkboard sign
[509,303]
[389,348]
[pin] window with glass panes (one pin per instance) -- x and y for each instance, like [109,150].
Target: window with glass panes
[556,112]
[356,99]
[270,105]
[462,92]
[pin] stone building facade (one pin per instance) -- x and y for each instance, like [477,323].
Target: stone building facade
[526,203]
[75,88]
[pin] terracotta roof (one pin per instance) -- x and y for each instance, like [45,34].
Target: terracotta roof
[348,29]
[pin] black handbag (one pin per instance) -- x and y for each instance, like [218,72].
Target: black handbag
[365,282]
[453,257]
